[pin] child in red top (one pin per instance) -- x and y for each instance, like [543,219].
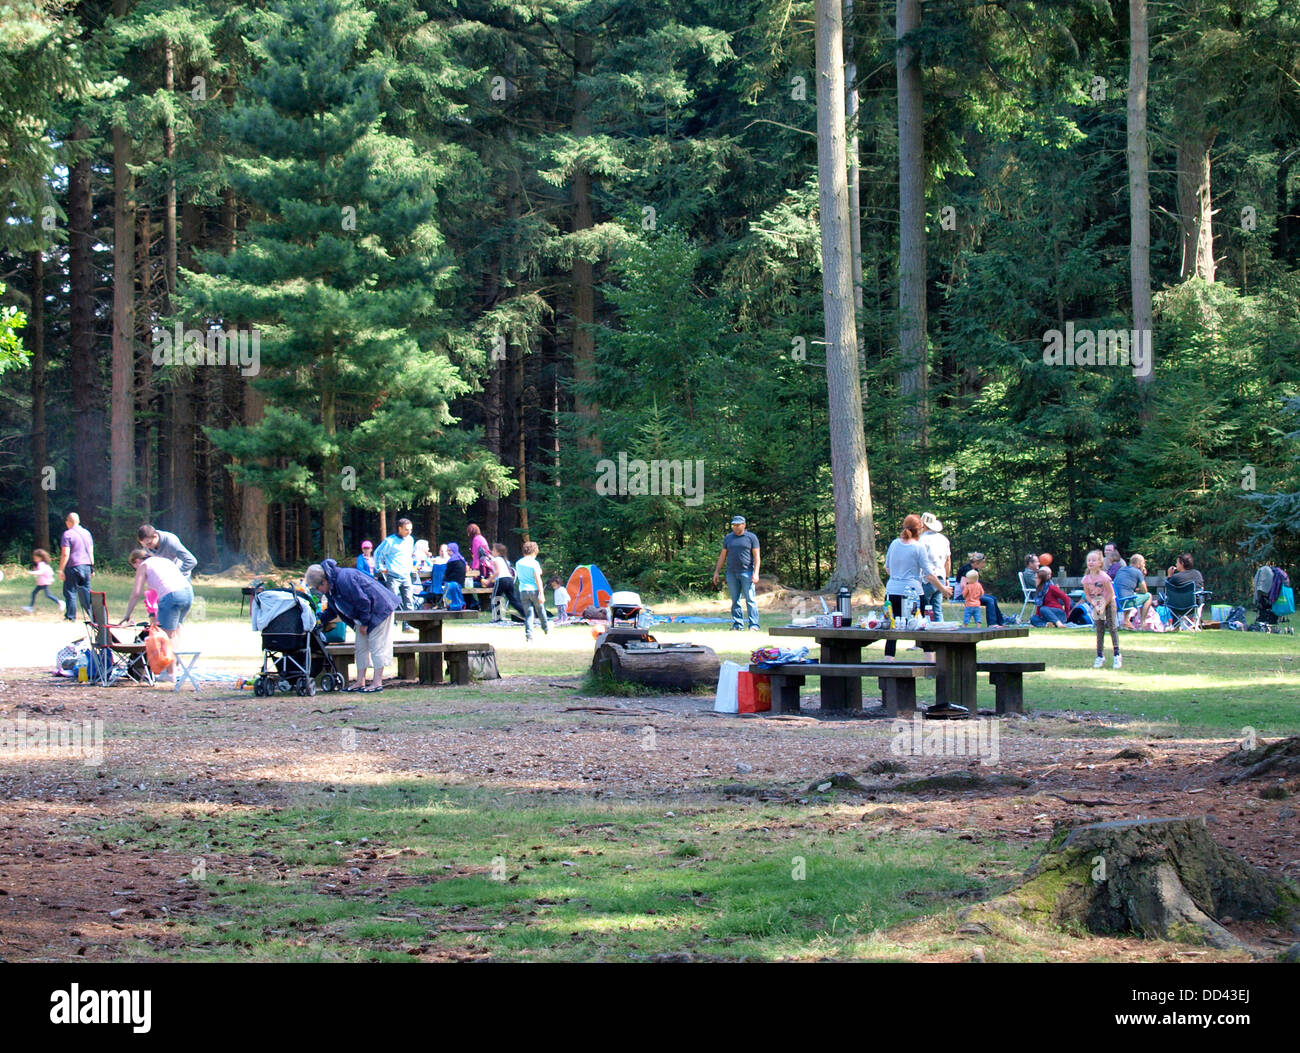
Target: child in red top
[1100,593]
[971,591]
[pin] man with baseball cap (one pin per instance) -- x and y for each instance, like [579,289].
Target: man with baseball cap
[740,551]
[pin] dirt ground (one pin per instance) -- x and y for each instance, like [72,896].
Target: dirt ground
[68,893]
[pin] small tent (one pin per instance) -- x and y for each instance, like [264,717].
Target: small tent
[587,588]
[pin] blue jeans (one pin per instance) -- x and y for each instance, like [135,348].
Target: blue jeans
[173,608]
[400,586]
[533,606]
[933,599]
[972,615]
[76,586]
[739,582]
[1050,615]
[992,614]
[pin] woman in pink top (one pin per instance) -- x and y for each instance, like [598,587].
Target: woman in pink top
[1100,592]
[175,594]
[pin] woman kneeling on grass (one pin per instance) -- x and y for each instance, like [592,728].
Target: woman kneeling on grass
[367,606]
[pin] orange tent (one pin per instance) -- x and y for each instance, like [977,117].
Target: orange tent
[587,588]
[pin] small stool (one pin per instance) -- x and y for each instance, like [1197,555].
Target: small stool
[186,669]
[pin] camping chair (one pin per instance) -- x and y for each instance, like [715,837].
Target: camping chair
[111,657]
[1185,603]
[433,588]
[1028,592]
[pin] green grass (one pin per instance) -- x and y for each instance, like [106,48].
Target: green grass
[534,877]
[219,601]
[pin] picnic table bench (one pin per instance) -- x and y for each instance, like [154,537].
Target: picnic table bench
[1008,683]
[897,682]
[416,659]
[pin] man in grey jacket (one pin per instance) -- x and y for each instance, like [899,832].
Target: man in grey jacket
[168,545]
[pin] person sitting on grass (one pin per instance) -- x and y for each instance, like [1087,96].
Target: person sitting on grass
[971,594]
[1052,606]
[44,574]
[1100,593]
[366,605]
[1131,592]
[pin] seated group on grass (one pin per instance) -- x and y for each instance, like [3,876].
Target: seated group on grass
[1134,602]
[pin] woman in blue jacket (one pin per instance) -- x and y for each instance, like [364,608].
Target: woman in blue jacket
[365,605]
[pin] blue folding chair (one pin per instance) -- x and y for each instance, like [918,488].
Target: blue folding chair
[433,588]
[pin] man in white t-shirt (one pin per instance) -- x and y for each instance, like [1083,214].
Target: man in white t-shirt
[940,553]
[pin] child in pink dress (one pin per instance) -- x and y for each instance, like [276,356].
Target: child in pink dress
[1100,593]
[44,574]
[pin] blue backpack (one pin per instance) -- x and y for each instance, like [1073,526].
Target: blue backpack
[454,598]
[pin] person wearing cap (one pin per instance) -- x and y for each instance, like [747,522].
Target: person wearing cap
[975,561]
[366,561]
[740,551]
[940,553]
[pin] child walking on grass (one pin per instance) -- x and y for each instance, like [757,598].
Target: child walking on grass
[561,595]
[44,579]
[1100,593]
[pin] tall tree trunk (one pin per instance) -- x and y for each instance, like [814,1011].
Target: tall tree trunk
[147,418]
[855,195]
[383,507]
[855,534]
[332,520]
[302,516]
[88,420]
[584,284]
[252,528]
[912,324]
[122,401]
[1139,181]
[1195,214]
[40,454]
[211,382]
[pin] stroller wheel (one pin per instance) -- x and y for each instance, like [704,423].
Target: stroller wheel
[338,680]
[259,686]
[327,683]
[306,686]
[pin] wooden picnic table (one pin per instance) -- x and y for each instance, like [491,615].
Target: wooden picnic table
[954,659]
[429,626]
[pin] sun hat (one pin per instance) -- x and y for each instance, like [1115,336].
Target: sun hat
[932,523]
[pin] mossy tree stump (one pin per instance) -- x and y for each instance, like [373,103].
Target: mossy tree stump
[1154,877]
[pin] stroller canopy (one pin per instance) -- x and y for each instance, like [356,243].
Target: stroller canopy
[269,604]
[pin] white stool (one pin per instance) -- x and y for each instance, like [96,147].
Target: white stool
[185,669]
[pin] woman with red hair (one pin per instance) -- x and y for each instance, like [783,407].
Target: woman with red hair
[907,564]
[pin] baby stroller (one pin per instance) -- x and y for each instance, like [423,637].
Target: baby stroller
[293,647]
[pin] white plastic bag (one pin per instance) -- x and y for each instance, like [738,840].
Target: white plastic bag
[728,675]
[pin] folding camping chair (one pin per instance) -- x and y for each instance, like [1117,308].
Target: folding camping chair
[111,657]
[1028,592]
[1185,603]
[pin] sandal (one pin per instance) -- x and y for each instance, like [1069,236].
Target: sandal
[370,690]
[354,689]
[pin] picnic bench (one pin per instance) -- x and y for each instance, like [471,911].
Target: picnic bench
[414,659]
[1007,679]
[897,682]
[954,662]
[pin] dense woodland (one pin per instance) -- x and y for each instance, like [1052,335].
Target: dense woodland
[484,245]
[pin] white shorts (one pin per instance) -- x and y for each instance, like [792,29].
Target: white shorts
[375,648]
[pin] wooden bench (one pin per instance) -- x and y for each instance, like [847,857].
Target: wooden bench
[897,682]
[1008,685]
[408,653]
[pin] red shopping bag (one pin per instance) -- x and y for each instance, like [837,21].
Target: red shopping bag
[753,693]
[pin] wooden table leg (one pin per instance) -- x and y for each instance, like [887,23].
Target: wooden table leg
[955,676]
[431,663]
[898,696]
[841,694]
[785,693]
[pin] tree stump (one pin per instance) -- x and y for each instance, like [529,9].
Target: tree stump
[673,667]
[1154,877]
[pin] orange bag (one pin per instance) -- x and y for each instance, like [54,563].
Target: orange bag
[158,650]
